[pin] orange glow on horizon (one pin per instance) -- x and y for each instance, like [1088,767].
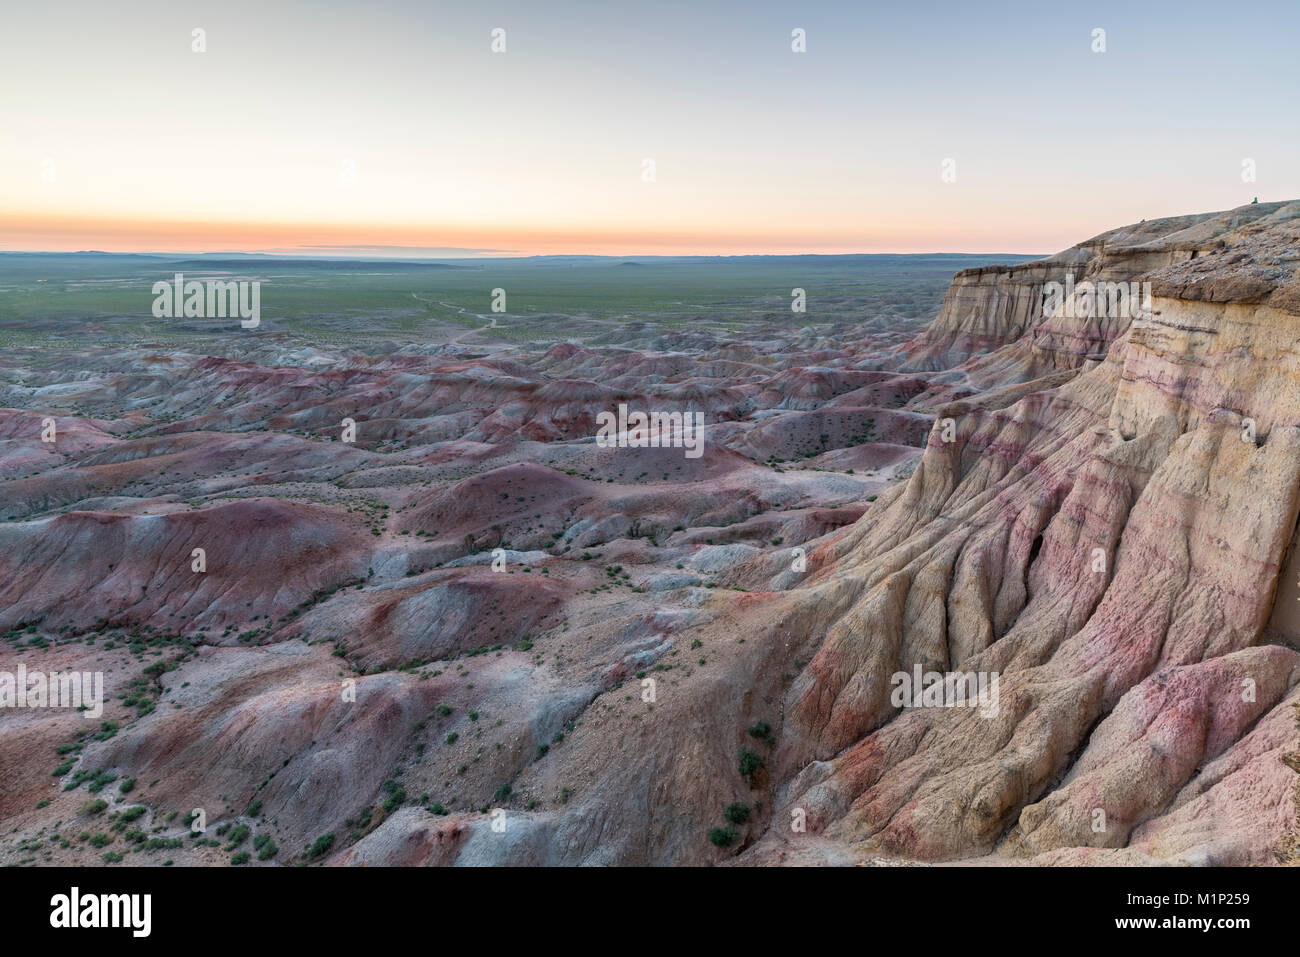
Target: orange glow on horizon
[50,233]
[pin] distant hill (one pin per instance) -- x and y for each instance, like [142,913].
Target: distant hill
[374,265]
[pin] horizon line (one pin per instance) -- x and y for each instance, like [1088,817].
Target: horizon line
[181,254]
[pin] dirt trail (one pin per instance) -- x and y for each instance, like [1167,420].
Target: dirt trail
[491,320]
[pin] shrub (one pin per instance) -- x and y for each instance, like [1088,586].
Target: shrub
[96,806]
[737,813]
[750,762]
[722,836]
[100,781]
[321,845]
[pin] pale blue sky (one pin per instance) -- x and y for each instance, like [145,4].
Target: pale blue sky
[393,123]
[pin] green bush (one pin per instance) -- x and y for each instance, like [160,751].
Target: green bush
[722,836]
[737,813]
[396,798]
[750,762]
[100,781]
[321,845]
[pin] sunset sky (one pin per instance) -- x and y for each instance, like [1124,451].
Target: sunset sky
[325,127]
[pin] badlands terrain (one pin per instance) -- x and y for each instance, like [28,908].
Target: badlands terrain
[438,622]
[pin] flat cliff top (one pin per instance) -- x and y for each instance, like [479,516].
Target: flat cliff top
[1248,254]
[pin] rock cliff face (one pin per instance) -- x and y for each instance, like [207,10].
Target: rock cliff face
[1113,547]
[995,315]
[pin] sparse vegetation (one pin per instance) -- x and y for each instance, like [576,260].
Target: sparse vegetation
[737,813]
[722,836]
[320,846]
[750,764]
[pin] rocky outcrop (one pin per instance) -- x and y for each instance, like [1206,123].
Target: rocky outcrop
[1237,256]
[1112,549]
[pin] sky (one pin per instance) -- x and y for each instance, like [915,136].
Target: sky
[625,128]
